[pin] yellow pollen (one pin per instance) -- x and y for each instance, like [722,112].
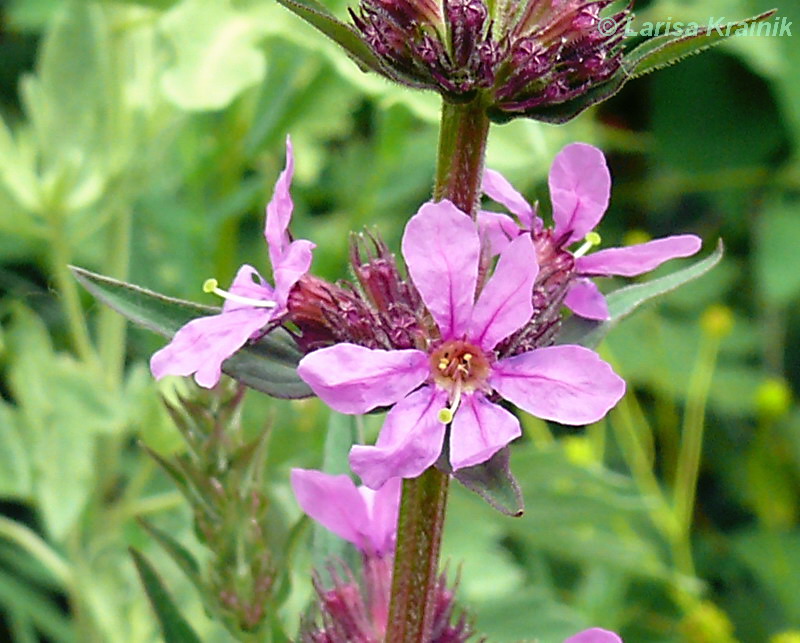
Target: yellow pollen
[210,285]
[467,357]
[593,238]
[443,364]
[445,416]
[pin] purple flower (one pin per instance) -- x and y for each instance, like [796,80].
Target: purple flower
[203,344]
[361,516]
[594,635]
[580,185]
[452,377]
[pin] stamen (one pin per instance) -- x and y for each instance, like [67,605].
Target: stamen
[446,415]
[590,240]
[212,286]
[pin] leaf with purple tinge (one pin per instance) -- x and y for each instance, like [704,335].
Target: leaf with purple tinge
[493,481]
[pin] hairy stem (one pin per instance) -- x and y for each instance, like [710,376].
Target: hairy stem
[416,562]
[462,148]
[459,169]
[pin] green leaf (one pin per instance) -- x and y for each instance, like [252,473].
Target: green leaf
[622,302]
[493,481]
[662,51]
[776,256]
[15,465]
[177,552]
[269,366]
[173,625]
[216,57]
[345,36]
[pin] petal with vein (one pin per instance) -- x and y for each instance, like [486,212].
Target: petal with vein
[498,188]
[355,379]
[441,248]
[567,384]
[585,300]
[580,185]
[410,440]
[480,429]
[505,303]
[636,260]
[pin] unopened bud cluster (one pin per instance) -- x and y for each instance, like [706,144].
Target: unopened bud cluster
[522,55]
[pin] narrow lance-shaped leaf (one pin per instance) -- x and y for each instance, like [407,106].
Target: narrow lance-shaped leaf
[173,625]
[622,302]
[269,365]
[321,19]
[662,51]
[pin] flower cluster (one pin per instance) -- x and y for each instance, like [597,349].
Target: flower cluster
[462,364]
[353,611]
[524,56]
[442,347]
[580,188]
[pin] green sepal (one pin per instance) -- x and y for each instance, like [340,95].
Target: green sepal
[269,365]
[623,301]
[174,627]
[493,481]
[663,51]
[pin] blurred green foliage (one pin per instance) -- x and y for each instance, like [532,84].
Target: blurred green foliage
[141,139]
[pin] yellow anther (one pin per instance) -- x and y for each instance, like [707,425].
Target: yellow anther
[210,285]
[467,357]
[594,238]
[445,416]
[443,364]
[591,240]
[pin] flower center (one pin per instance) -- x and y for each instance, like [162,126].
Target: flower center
[458,367]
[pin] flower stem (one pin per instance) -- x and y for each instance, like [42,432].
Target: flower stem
[462,149]
[459,169]
[416,562]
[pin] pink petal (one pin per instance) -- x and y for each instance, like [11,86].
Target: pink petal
[636,260]
[355,379]
[410,440]
[568,384]
[279,211]
[383,506]
[480,429]
[505,301]
[594,635]
[585,299]
[293,264]
[441,248]
[497,188]
[497,229]
[203,344]
[248,283]
[580,185]
[335,503]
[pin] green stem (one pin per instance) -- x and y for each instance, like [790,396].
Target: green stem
[459,169]
[111,325]
[416,562]
[688,466]
[68,289]
[462,149]
[38,548]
